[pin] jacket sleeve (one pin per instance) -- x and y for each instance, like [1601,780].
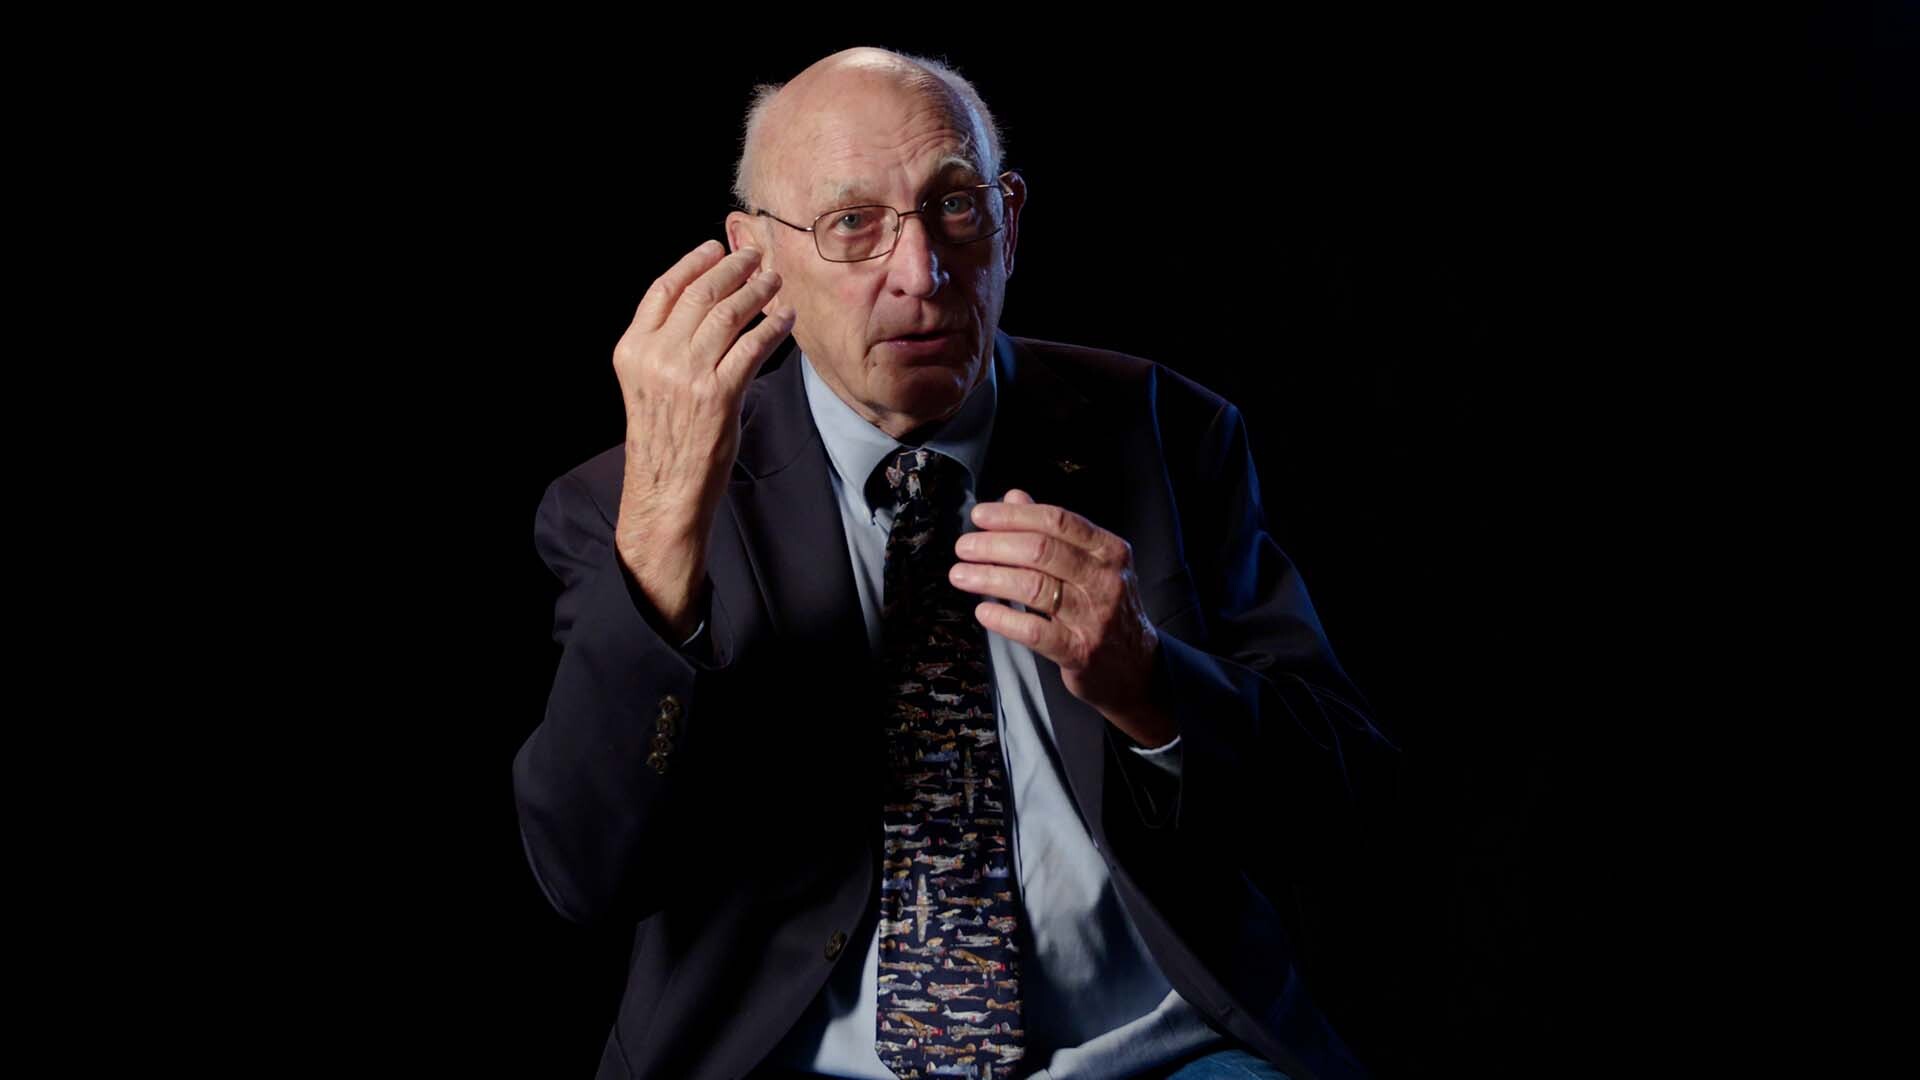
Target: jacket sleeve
[1273,736]
[595,781]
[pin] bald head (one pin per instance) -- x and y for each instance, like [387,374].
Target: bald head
[814,112]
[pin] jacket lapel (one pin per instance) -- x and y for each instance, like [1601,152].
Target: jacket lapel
[1045,444]
[790,525]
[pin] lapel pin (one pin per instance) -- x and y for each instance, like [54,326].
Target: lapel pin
[1068,466]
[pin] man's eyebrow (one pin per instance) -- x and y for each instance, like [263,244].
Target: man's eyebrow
[944,174]
[846,193]
[951,171]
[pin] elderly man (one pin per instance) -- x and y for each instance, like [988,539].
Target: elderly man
[937,702]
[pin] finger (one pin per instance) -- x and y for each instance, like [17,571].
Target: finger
[720,281]
[1044,636]
[711,339]
[1029,587]
[667,287]
[1018,497]
[743,361]
[1057,521]
[1045,552]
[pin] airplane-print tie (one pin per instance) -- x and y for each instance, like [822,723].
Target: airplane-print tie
[949,980]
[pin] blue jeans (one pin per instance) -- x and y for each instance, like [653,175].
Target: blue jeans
[1227,1065]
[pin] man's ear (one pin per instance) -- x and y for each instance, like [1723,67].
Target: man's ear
[749,230]
[1016,201]
[743,230]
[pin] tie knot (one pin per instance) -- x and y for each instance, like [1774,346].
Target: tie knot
[917,475]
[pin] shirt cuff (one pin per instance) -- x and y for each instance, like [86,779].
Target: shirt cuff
[1168,757]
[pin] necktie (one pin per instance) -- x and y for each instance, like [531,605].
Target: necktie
[949,981]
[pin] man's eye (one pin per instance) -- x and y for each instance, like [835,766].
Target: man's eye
[957,204]
[852,220]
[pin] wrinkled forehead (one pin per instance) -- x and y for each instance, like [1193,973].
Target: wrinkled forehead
[941,174]
[864,145]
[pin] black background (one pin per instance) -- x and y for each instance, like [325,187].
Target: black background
[1430,259]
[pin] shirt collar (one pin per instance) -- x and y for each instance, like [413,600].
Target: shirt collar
[856,447]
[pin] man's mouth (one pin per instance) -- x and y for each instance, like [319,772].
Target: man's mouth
[933,345]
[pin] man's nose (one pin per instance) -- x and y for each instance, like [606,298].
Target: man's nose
[915,261]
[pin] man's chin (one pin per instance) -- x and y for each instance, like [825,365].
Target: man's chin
[929,389]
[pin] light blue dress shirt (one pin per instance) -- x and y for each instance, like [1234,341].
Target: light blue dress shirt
[1090,989]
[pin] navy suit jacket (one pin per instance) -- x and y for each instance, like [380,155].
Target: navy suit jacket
[740,915]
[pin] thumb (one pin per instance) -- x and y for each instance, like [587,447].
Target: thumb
[1016,496]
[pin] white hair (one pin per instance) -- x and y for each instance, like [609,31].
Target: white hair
[935,74]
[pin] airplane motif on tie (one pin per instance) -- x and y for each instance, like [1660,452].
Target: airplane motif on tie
[949,916]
